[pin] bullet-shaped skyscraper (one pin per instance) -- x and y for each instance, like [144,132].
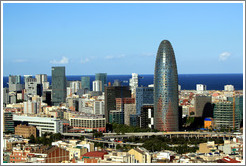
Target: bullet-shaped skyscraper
[166,89]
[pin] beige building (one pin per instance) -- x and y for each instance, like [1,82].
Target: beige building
[141,155]
[207,147]
[25,131]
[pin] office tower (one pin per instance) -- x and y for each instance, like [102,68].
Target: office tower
[201,106]
[30,107]
[229,88]
[238,105]
[147,116]
[201,87]
[102,77]
[166,89]
[111,93]
[15,83]
[58,85]
[179,87]
[129,109]
[26,77]
[8,122]
[42,80]
[144,95]
[5,96]
[32,87]
[97,85]
[99,107]
[223,115]
[133,83]
[85,83]
[74,85]
[116,116]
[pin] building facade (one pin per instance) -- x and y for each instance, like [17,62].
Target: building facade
[103,78]
[85,83]
[110,95]
[58,85]
[166,89]
[97,85]
[144,95]
[25,131]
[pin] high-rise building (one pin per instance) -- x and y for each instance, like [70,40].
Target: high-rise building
[229,88]
[201,87]
[102,77]
[133,83]
[110,95]
[147,116]
[144,95]
[8,122]
[85,83]
[26,77]
[223,115]
[74,85]
[5,96]
[201,106]
[58,85]
[15,83]
[97,85]
[238,105]
[166,89]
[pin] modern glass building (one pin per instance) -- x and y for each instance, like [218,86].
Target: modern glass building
[166,89]
[144,95]
[59,89]
[85,83]
[102,77]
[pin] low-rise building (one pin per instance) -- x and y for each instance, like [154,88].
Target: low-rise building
[25,131]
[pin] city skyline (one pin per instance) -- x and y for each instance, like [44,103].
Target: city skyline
[93,38]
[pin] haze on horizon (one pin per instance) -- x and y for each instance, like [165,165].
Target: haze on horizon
[121,38]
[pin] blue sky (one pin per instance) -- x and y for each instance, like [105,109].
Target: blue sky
[121,38]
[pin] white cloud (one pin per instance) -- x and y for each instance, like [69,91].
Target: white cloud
[115,57]
[64,60]
[224,56]
[83,61]
[19,60]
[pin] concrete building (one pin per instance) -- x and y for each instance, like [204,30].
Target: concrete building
[75,86]
[58,85]
[141,155]
[144,95]
[25,131]
[57,155]
[166,89]
[229,88]
[103,78]
[133,83]
[42,124]
[201,87]
[26,77]
[41,78]
[97,85]
[201,104]
[99,107]
[30,107]
[88,123]
[5,96]
[32,87]
[129,109]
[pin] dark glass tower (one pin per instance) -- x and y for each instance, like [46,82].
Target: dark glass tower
[166,89]
[59,89]
[85,83]
[102,77]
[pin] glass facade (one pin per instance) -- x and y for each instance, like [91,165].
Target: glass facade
[166,89]
[59,89]
[144,95]
[102,77]
[85,83]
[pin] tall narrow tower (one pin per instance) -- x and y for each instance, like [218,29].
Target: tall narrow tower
[166,89]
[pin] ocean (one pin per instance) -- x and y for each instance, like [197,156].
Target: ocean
[187,81]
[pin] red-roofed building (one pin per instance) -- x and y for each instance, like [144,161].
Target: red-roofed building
[93,157]
[228,160]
